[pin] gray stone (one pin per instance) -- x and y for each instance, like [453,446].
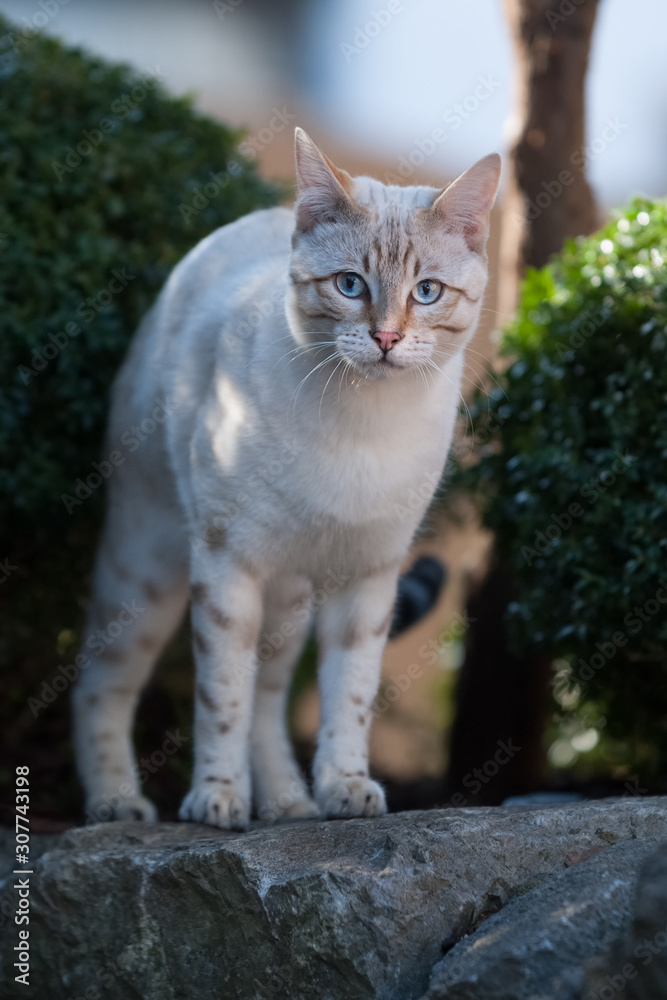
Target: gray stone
[347,909]
[536,947]
[635,968]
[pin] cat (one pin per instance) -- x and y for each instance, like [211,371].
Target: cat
[282,420]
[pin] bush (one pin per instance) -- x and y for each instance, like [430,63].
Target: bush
[572,477]
[106,182]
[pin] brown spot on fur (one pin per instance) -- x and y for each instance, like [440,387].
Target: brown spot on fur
[149,643]
[104,737]
[217,616]
[366,263]
[233,704]
[103,757]
[111,655]
[330,734]
[356,700]
[361,719]
[269,685]
[352,635]
[120,572]
[206,699]
[248,568]
[450,329]
[212,777]
[360,774]
[384,624]
[152,592]
[215,537]
[224,727]
[417,267]
[199,592]
[379,570]
[465,295]
[200,642]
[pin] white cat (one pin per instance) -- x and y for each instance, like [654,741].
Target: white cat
[310,363]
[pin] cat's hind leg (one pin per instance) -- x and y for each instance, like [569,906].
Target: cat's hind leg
[279,789]
[139,595]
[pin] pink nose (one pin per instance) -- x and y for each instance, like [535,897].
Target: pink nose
[386,339]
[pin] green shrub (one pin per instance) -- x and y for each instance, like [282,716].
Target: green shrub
[572,476]
[105,183]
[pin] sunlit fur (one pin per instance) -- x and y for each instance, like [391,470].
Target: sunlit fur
[286,483]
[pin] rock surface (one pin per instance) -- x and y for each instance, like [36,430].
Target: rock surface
[348,909]
[635,968]
[536,947]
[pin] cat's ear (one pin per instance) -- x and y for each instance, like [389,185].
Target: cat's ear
[466,204]
[324,190]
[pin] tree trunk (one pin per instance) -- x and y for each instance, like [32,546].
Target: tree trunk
[502,696]
[548,197]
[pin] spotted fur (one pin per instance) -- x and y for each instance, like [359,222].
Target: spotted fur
[281,486]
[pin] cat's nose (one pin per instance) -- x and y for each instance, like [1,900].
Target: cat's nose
[386,339]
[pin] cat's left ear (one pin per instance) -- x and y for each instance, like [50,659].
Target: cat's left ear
[466,204]
[324,190]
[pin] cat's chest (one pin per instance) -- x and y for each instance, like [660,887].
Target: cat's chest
[377,480]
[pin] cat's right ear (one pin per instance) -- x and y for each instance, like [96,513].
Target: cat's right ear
[324,190]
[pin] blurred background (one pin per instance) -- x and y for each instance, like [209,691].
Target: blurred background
[410,92]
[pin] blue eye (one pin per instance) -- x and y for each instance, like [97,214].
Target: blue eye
[350,284]
[427,291]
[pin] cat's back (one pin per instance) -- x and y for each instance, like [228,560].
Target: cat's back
[224,263]
[211,290]
[174,354]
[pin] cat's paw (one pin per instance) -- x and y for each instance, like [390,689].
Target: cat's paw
[217,806]
[349,797]
[118,808]
[302,809]
[279,811]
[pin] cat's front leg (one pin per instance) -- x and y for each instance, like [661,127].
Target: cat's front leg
[226,617]
[352,631]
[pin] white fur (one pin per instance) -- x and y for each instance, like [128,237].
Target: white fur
[270,481]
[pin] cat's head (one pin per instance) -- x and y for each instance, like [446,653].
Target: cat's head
[390,278]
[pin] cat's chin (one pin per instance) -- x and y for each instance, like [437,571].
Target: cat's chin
[380,369]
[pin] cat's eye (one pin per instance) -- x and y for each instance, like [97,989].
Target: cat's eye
[427,291]
[350,284]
